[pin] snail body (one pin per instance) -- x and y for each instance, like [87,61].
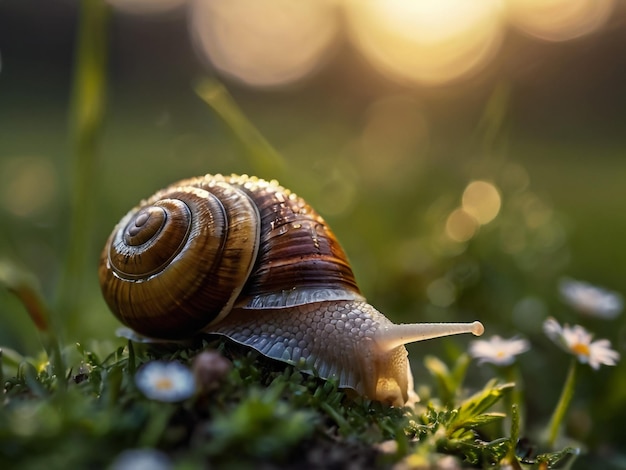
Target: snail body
[246,258]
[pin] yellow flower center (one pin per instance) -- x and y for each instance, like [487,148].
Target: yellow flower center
[163,384]
[580,349]
[500,354]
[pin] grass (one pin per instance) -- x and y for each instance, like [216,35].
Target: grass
[260,413]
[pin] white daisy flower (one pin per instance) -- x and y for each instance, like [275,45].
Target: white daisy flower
[591,300]
[165,381]
[497,350]
[577,341]
[141,459]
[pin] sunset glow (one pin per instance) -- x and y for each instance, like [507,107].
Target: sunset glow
[426,42]
[264,42]
[559,20]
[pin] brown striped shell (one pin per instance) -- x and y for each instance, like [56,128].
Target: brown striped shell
[183,258]
[247,259]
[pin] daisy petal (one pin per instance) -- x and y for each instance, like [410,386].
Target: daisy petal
[165,381]
[552,328]
[591,300]
[497,350]
[141,459]
[577,341]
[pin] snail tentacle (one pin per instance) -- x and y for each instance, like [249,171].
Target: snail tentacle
[395,335]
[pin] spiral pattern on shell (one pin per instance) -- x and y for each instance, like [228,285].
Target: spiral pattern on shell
[183,258]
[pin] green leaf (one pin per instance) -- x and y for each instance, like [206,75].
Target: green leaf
[482,419]
[562,459]
[477,404]
[448,380]
[443,378]
[477,452]
[11,357]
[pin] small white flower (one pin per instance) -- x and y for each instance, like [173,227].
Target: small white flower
[591,300]
[141,459]
[498,350]
[165,381]
[577,341]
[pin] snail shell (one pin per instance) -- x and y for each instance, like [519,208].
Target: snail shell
[248,259]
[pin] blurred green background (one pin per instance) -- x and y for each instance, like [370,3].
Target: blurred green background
[383,153]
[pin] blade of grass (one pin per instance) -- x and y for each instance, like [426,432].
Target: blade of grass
[563,404]
[492,127]
[264,159]
[25,288]
[1,378]
[86,114]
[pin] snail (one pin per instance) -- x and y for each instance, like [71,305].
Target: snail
[247,259]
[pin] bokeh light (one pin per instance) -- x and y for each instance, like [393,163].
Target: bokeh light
[146,6]
[270,43]
[480,204]
[426,41]
[461,226]
[559,20]
[482,200]
[264,42]
[27,185]
[441,292]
